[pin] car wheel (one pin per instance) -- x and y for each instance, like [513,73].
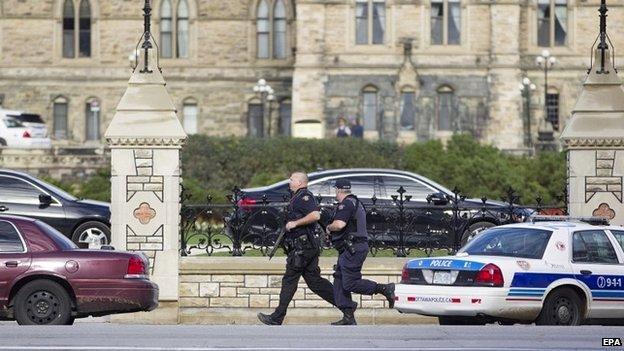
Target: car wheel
[447,320]
[92,235]
[475,229]
[43,302]
[562,307]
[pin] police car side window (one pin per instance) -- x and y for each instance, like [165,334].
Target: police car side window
[320,188]
[592,246]
[412,187]
[619,236]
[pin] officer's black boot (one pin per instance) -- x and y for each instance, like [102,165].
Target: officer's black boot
[267,319]
[347,319]
[386,290]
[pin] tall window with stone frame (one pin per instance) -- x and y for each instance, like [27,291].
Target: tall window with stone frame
[445,108]
[190,112]
[76,28]
[92,119]
[445,22]
[370,22]
[272,30]
[59,115]
[408,109]
[370,108]
[285,117]
[174,29]
[255,119]
[552,23]
[552,108]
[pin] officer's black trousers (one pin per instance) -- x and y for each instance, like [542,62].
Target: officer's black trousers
[308,267]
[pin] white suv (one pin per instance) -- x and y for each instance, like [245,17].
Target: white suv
[15,134]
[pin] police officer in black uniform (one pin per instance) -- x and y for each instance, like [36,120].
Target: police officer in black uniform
[349,237]
[302,248]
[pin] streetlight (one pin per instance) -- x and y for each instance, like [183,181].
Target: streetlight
[265,91]
[526,88]
[545,61]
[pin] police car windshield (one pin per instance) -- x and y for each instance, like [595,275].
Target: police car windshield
[511,242]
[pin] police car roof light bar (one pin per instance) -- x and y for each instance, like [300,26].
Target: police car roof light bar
[594,220]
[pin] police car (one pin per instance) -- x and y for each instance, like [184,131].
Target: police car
[560,271]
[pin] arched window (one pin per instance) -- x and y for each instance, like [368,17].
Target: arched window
[92,119]
[408,108]
[279,30]
[59,113]
[369,107]
[69,25]
[263,30]
[272,29]
[174,29]
[445,108]
[552,22]
[166,29]
[445,22]
[183,29]
[76,33]
[190,113]
[285,117]
[255,119]
[552,107]
[370,17]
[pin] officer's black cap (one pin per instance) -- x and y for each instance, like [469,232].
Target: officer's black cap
[343,184]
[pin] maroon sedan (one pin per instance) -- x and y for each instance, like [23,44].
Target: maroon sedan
[46,279]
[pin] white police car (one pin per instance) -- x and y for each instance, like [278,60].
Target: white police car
[552,273]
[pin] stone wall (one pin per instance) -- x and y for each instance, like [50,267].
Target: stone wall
[232,290]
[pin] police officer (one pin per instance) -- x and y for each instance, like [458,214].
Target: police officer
[302,248]
[349,237]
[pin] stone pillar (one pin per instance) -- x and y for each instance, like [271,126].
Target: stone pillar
[145,137]
[594,141]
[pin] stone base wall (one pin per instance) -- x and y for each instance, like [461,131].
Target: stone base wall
[229,290]
[58,163]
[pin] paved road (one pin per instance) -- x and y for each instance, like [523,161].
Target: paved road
[105,336]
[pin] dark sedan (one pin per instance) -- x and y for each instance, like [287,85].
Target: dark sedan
[46,280]
[85,222]
[428,199]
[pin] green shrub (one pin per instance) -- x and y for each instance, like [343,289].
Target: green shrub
[214,166]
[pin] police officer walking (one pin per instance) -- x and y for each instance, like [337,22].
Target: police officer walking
[302,249]
[349,237]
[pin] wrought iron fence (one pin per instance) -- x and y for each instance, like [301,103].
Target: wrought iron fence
[398,224]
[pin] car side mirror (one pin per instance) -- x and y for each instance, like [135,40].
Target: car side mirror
[438,199]
[45,199]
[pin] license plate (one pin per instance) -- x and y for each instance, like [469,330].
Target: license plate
[442,277]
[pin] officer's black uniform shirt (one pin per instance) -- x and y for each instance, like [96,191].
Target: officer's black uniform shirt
[352,212]
[301,204]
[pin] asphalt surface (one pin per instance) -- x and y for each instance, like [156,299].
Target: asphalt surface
[106,336]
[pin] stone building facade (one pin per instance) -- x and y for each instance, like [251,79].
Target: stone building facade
[408,69]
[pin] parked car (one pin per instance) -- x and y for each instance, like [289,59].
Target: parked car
[85,222]
[46,280]
[383,184]
[551,273]
[35,124]
[22,130]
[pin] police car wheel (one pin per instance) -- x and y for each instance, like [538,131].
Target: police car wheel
[562,307]
[475,229]
[452,320]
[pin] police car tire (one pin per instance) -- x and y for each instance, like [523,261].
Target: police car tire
[475,226]
[452,320]
[559,297]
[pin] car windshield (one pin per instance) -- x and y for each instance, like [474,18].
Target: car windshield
[61,240]
[511,242]
[28,118]
[62,193]
[12,123]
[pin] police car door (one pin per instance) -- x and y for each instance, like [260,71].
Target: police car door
[596,263]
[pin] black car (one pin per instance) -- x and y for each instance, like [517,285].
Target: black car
[427,216]
[85,222]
